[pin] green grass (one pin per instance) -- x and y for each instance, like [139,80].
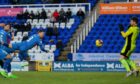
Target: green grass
[71,78]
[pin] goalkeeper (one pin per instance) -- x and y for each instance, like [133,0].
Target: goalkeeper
[130,44]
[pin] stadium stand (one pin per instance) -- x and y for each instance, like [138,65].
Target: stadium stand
[61,31]
[106,28]
[64,31]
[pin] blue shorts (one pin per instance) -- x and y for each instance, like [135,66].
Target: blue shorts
[21,46]
[16,46]
[23,56]
[3,54]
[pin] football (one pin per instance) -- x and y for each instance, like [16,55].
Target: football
[99,42]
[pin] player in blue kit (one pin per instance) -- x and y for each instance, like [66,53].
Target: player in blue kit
[1,62]
[5,38]
[23,47]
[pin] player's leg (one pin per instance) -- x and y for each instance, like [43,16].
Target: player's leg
[24,56]
[124,58]
[1,65]
[7,64]
[9,75]
[9,67]
[3,55]
[132,63]
[126,65]
[134,67]
[124,62]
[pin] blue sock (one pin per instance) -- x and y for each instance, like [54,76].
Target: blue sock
[1,63]
[9,68]
[7,65]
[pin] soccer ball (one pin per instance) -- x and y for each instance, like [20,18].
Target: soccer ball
[99,42]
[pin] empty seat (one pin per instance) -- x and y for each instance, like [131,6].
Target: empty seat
[19,33]
[25,33]
[29,20]
[41,20]
[35,20]
[47,20]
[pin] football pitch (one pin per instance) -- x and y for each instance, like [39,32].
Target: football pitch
[71,78]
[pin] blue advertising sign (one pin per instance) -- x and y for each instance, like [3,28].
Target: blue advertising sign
[101,56]
[88,66]
[17,66]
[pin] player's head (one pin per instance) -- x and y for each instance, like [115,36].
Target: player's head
[41,33]
[134,21]
[7,27]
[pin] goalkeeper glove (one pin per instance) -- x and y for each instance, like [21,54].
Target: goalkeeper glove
[129,26]
[121,27]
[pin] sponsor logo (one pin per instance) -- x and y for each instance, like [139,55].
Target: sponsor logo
[110,65]
[114,66]
[57,65]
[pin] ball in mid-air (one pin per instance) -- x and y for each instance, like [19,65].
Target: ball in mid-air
[99,42]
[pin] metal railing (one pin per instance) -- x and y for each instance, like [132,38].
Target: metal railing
[85,29]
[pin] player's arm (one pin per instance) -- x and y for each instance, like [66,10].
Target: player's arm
[42,47]
[127,33]
[12,38]
[11,35]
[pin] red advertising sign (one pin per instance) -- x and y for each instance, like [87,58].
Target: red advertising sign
[10,11]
